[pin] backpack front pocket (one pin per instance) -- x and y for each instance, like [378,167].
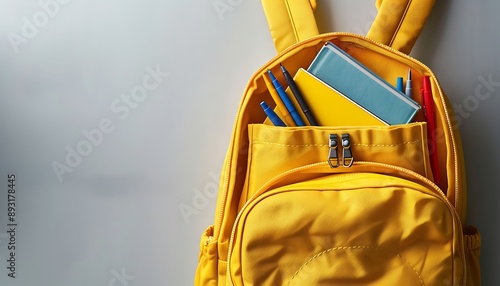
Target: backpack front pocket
[358,228]
[273,150]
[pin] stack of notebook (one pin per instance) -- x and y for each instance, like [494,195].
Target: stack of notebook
[340,91]
[359,89]
[329,106]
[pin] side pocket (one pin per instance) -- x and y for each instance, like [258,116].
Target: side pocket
[472,252]
[206,272]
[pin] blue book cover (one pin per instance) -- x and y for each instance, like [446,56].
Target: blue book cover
[344,73]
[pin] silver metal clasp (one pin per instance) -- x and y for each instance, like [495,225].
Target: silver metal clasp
[347,157]
[333,157]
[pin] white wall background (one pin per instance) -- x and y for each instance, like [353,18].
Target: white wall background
[112,216]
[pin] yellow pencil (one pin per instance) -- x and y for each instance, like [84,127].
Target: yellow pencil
[282,110]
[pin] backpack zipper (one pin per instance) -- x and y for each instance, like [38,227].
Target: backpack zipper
[347,157]
[333,157]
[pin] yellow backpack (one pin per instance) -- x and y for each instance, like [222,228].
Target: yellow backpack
[286,214]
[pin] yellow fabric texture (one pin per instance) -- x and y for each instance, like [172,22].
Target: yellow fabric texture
[399,22]
[285,217]
[290,21]
[357,228]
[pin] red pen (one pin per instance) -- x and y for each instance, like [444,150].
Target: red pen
[430,117]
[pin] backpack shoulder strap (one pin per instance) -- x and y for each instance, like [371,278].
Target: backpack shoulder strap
[397,24]
[290,21]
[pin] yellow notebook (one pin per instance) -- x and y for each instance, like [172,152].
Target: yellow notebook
[328,106]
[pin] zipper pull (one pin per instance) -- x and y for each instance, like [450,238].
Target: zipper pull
[209,239]
[347,159]
[333,158]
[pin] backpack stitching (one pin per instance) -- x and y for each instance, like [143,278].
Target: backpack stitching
[356,247]
[325,145]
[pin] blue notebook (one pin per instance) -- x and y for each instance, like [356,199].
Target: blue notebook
[344,73]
